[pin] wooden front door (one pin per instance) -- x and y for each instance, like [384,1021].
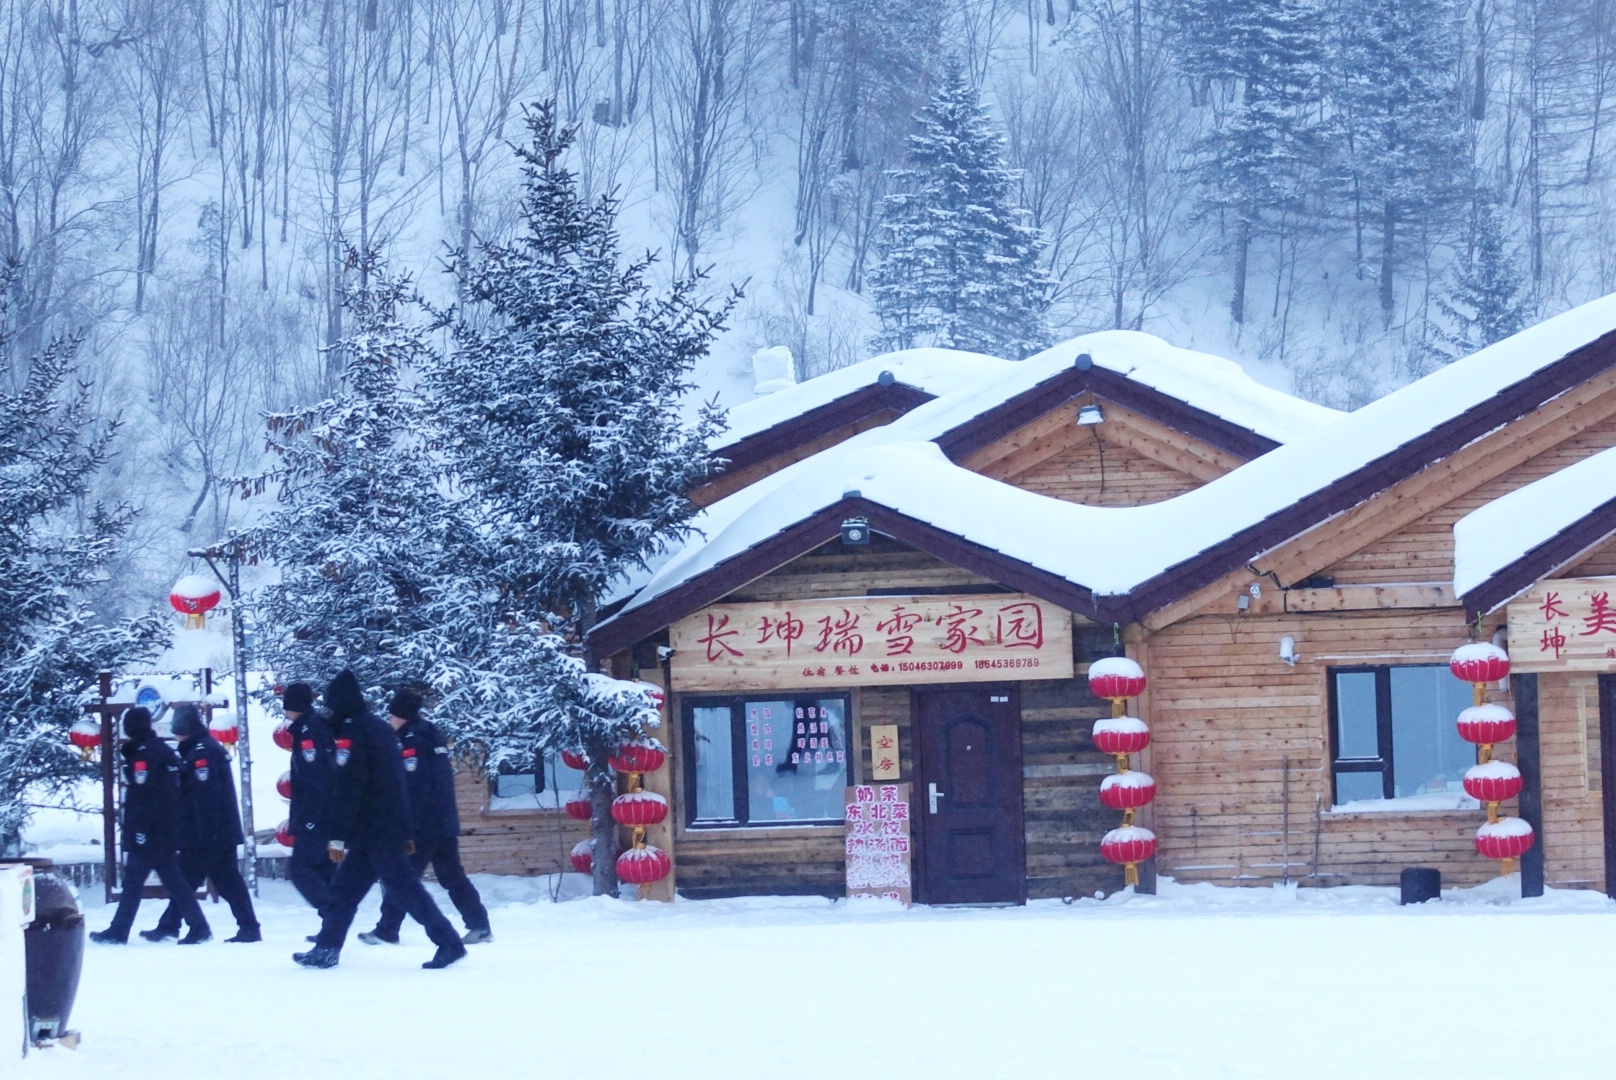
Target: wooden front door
[968,798]
[1607,770]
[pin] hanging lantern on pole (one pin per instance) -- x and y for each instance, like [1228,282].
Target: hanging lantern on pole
[1118,678]
[574,760]
[194,596]
[283,735]
[641,864]
[577,807]
[283,834]
[225,729]
[1489,781]
[583,856]
[86,736]
[283,786]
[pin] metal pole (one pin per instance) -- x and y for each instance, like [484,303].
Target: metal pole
[238,634]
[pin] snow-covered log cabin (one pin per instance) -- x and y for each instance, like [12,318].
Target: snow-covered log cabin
[937,545]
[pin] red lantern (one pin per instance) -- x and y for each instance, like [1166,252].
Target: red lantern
[283,735]
[1121,735]
[643,865]
[1127,791]
[283,834]
[583,856]
[1479,663]
[1493,782]
[1486,724]
[578,806]
[194,596]
[223,728]
[572,759]
[283,786]
[1116,677]
[86,735]
[1506,838]
[639,808]
[638,757]
[1130,844]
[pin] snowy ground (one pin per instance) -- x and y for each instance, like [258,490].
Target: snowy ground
[1199,982]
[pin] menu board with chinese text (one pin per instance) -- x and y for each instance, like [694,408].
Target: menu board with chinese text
[878,844]
[1568,624]
[871,641]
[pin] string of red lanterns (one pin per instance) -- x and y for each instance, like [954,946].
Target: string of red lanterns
[1488,781]
[1117,679]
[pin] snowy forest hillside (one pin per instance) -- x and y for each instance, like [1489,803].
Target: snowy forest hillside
[1343,193]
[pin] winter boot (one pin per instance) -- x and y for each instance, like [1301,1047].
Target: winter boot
[446,955]
[107,937]
[197,936]
[477,937]
[246,934]
[318,957]
[159,934]
[371,937]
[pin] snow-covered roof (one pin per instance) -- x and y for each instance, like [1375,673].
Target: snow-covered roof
[1109,550]
[1493,536]
[932,371]
[973,384]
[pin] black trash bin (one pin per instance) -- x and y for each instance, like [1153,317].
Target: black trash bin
[55,949]
[1420,883]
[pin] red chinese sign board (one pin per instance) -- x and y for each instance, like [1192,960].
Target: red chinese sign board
[1567,624]
[871,641]
[878,844]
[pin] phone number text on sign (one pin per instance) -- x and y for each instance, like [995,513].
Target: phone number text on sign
[864,641]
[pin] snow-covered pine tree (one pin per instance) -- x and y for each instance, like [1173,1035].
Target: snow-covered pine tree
[1266,57]
[560,411]
[363,535]
[1486,298]
[1398,115]
[52,551]
[959,267]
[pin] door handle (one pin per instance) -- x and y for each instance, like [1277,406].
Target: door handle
[932,795]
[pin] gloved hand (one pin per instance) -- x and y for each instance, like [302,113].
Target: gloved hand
[409,847]
[337,850]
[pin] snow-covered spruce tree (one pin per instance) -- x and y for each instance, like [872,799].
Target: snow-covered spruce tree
[959,268]
[1261,161]
[560,412]
[52,550]
[1486,298]
[363,535]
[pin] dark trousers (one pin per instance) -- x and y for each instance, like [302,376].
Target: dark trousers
[444,858]
[311,870]
[141,863]
[357,873]
[218,863]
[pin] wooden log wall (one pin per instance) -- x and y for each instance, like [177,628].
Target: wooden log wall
[1240,737]
[511,841]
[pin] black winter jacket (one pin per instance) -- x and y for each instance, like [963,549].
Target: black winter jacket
[151,792]
[312,769]
[209,814]
[429,780]
[369,810]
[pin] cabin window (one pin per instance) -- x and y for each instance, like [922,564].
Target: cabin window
[543,787]
[776,759]
[1393,733]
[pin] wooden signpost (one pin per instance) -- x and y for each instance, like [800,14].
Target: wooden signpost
[878,845]
[871,641]
[1567,624]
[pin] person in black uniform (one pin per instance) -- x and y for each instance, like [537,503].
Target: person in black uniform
[429,781]
[309,868]
[369,824]
[150,819]
[209,829]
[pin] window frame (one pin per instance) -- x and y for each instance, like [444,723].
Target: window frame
[1383,762]
[736,703]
